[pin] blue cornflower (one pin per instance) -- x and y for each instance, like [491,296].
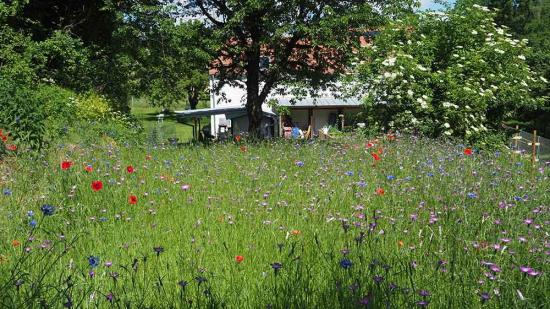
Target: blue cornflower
[430,174]
[47,209]
[299,163]
[93,261]
[6,191]
[276,266]
[472,195]
[362,184]
[345,263]
[30,213]
[390,177]
[349,173]
[32,223]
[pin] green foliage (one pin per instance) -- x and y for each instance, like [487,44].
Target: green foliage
[64,59]
[529,19]
[59,109]
[454,73]
[92,106]
[21,114]
[174,61]
[275,43]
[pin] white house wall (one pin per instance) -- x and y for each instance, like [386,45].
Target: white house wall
[232,96]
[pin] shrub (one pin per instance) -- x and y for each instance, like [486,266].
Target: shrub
[59,109]
[454,74]
[92,106]
[21,114]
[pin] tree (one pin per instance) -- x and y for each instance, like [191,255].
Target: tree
[529,19]
[174,55]
[293,41]
[453,73]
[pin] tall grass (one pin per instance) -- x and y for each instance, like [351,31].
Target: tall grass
[309,220]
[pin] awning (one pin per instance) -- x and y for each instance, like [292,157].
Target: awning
[320,102]
[230,112]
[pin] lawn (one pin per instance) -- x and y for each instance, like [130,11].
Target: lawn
[282,224]
[169,128]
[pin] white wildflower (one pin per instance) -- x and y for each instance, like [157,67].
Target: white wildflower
[389,62]
[421,68]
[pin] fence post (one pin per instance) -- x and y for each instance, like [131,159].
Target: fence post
[534,152]
[516,140]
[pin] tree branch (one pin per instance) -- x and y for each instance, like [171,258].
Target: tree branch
[208,15]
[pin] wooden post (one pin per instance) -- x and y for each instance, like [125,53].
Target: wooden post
[194,128]
[280,125]
[342,121]
[516,140]
[534,154]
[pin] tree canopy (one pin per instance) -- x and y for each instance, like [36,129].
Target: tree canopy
[267,43]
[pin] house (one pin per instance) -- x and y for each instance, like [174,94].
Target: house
[319,112]
[228,114]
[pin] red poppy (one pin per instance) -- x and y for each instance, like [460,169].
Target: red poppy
[4,138]
[65,165]
[468,151]
[369,145]
[11,147]
[130,169]
[375,156]
[239,258]
[379,191]
[97,185]
[89,168]
[238,138]
[132,199]
[15,243]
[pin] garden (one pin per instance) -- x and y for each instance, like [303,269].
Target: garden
[420,201]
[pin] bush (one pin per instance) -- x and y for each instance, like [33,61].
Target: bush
[59,109]
[454,74]
[21,114]
[92,106]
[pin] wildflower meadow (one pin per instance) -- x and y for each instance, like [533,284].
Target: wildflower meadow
[351,222]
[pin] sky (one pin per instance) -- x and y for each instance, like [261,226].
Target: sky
[429,4]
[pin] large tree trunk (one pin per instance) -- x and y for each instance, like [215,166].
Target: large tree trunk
[193,97]
[253,100]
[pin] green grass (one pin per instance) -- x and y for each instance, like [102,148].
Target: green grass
[169,128]
[442,217]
